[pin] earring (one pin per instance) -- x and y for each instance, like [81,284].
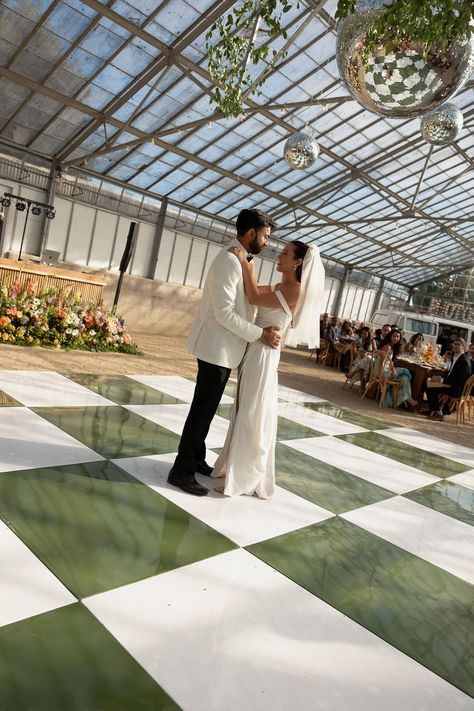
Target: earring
[295,268]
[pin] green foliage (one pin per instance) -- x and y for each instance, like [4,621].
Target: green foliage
[231,47]
[235,49]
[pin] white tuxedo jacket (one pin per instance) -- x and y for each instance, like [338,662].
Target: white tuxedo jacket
[223,324]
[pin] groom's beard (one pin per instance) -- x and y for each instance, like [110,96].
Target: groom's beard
[254,247]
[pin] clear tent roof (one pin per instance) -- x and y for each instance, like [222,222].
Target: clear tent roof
[78,80]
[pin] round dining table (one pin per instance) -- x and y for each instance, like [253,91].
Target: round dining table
[420,371]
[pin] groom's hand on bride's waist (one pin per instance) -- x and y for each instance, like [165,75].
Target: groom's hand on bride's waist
[271,336]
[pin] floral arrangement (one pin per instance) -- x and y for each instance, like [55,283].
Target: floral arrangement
[57,319]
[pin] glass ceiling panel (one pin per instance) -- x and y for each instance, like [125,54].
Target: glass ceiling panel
[368,167]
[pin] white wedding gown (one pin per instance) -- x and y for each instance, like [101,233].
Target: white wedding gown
[248,458]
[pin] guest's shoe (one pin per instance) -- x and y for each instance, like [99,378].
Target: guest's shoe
[187,484]
[204,468]
[438,417]
[409,406]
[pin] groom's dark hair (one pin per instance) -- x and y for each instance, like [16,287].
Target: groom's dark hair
[253,219]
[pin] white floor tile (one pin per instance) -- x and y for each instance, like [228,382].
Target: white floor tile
[176,386]
[243,519]
[316,420]
[27,587]
[231,633]
[47,389]
[292,395]
[463,479]
[173,417]
[440,539]
[457,452]
[380,470]
[27,441]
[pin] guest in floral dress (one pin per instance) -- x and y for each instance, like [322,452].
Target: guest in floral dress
[391,345]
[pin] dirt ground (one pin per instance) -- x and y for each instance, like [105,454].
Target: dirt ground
[166,355]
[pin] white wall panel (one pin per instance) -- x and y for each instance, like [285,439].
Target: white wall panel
[103,239]
[59,227]
[212,252]
[196,263]
[80,234]
[34,223]
[179,260]
[164,256]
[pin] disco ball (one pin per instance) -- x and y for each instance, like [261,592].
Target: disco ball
[300,151]
[442,126]
[399,82]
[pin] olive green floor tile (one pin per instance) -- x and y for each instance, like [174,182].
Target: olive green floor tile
[224,410]
[65,660]
[355,418]
[417,607]
[287,429]
[122,390]
[112,431]
[406,454]
[447,498]
[7,401]
[97,528]
[323,484]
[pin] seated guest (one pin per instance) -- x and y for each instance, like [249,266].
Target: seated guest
[459,371]
[415,343]
[391,345]
[385,330]
[333,330]
[347,333]
[363,348]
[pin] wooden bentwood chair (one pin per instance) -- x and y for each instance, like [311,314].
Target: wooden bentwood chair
[459,404]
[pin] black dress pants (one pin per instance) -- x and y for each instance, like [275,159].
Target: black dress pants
[210,383]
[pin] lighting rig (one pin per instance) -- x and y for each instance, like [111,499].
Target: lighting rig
[23,204]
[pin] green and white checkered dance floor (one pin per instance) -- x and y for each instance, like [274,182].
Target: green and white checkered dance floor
[351,590]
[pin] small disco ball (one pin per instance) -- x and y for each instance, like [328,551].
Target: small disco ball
[399,82]
[442,126]
[300,151]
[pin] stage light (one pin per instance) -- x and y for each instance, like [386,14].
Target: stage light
[50,213]
[6,202]
[20,206]
[35,210]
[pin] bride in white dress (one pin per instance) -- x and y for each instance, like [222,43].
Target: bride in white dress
[247,460]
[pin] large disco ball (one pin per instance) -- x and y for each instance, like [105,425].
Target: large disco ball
[300,151]
[399,82]
[443,125]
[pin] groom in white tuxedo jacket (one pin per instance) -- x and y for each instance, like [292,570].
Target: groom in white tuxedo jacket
[218,338]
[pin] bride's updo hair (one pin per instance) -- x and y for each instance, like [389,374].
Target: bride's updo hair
[299,251]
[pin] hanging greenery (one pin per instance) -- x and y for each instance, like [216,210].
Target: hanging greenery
[236,48]
[232,46]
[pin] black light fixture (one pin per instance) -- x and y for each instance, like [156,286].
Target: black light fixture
[20,206]
[6,202]
[50,213]
[35,210]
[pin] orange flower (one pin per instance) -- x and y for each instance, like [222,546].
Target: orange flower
[4,321]
[60,313]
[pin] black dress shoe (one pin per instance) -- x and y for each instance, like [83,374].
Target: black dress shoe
[204,468]
[187,484]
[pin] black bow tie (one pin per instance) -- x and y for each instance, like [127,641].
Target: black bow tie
[249,257]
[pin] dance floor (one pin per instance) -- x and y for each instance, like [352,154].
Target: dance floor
[351,590]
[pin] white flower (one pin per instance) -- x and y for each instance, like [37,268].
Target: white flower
[75,332]
[92,332]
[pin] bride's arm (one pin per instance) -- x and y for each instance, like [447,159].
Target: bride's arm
[261,295]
